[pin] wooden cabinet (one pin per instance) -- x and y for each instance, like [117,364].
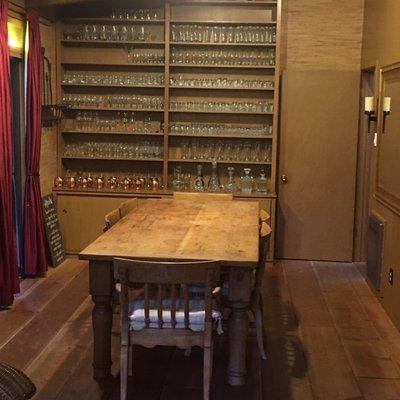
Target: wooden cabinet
[156,91]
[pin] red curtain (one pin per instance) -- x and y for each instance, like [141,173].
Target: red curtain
[9,280]
[34,236]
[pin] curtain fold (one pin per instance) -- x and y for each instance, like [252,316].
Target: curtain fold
[9,280]
[34,235]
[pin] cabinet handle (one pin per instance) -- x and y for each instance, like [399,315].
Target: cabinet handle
[64,211]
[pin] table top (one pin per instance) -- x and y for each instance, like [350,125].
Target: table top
[180,230]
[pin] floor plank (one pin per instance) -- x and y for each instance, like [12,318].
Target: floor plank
[34,336]
[36,298]
[382,389]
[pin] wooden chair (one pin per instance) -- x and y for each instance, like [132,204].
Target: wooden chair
[127,206]
[14,384]
[163,317]
[111,219]
[256,295]
[203,196]
[264,216]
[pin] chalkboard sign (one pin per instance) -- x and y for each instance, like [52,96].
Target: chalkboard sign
[53,233]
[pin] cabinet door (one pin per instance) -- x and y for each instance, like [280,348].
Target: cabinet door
[82,218]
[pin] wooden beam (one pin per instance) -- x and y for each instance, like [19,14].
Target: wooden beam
[51,3]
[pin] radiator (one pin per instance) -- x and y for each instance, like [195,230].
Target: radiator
[375,236]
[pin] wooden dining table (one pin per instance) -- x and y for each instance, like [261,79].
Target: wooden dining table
[168,229]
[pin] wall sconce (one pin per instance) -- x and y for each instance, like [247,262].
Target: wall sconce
[369,110]
[386,111]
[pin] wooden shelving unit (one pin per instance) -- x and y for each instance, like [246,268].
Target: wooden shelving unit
[111,56]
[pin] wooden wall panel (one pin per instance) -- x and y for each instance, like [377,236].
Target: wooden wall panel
[381,41]
[381,47]
[48,159]
[321,58]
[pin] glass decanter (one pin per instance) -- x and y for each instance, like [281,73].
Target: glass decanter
[262,183]
[230,185]
[213,183]
[177,181]
[199,185]
[246,181]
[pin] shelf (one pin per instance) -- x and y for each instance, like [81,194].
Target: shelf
[222,136]
[72,132]
[113,21]
[165,192]
[110,42]
[223,88]
[225,3]
[111,159]
[111,86]
[270,67]
[115,109]
[127,64]
[258,23]
[223,44]
[220,112]
[222,162]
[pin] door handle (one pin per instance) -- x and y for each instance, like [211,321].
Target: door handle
[284,178]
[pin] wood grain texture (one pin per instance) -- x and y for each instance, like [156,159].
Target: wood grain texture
[304,362]
[183,230]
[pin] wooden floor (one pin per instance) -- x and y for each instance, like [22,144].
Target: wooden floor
[327,338]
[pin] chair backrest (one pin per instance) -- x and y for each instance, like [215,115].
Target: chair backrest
[265,233]
[203,196]
[111,219]
[171,279]
[264,216]
[127,206]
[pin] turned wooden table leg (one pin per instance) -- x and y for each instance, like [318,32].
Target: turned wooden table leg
[101,289]
[239,298]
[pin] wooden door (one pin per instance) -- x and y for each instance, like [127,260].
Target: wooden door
[318,149]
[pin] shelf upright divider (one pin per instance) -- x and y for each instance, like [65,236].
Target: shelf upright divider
[167,19]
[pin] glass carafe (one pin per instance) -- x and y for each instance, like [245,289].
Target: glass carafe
[262,183]
[230,185]
[213,183]
[246,181]
[177,181]
[199,185]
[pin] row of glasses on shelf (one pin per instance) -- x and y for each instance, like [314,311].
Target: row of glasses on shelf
[115,33]
[220,82]
[216,129]
[100,181]
[144,56]
[250,106]
[114,101]
[238,34]
[264,57]
[225,151]
[246,184]
[121,122]
[116,79]
[147,149]
[141,14]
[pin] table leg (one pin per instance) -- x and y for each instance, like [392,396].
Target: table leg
[101,288]
[239,298]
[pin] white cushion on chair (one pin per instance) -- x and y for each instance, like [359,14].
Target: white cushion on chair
[196,314]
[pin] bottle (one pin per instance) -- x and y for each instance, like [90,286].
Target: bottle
[213,183]
[230,185]
[262,183]
[199,181]
[246,181]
